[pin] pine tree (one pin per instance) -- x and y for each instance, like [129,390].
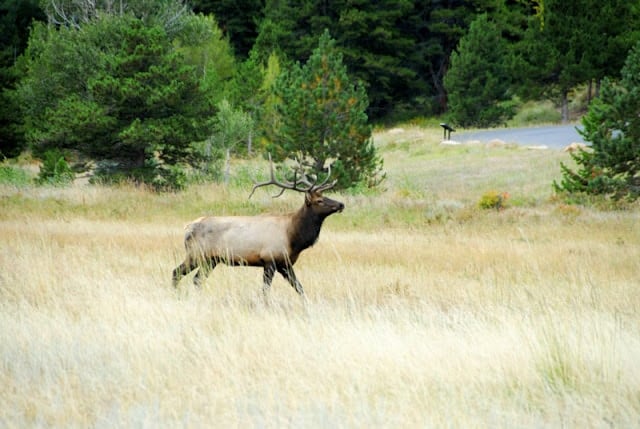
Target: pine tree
[478,80]
[238,18]
[322,118]
[15,21]
[124,93]
[612,125]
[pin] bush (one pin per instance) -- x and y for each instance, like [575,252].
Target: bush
[536,113]
[165,177]
[54,169]
[13,176]
[493,200]
[157,174]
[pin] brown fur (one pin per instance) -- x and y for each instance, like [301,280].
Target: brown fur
[271,242]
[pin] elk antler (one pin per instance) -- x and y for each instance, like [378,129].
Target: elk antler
[324,185]
[295,185]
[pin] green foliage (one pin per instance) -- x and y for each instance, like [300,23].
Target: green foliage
[15,20]
[250,91]
[54,169]
[207,162]
[240,19]
[493,200]
[267,118]
[322,118]
[202,45]
[612,125]
[243,90]
[574,42]
[378,42]
[163,176]
[399,49]
[122,91]
[533,113]
[12,140]
[15,176]
[231,127]
[478,81]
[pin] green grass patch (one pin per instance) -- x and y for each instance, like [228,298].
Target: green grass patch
[535,113]
[15,176]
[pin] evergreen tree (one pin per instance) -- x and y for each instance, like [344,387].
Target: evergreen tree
[380,42]
[121,91]
[379,48]
[614,27]
[15,21]
[557,49]
[612,166]
[437,27]
[322,118]
[238,19]
[399,49]
[575,42]
[444,23]
[478,81]
[201,44]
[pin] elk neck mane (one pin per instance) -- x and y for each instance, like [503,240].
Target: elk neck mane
[304,228]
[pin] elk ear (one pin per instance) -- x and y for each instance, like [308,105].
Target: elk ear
[308,198]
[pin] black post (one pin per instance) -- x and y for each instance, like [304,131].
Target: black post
[446,127]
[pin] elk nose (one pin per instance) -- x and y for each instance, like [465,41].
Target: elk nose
[340,207]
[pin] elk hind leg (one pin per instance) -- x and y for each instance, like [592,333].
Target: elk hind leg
[267,278]
[203,272]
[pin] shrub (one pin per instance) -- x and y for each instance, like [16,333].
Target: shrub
[54,169]
[157,174]
[536,113]
[16,176]
[493,200]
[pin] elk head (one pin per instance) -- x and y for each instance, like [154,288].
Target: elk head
[314,199]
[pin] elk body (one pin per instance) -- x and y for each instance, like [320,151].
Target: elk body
[271,242]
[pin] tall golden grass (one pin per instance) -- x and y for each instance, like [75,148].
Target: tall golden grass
[423,310]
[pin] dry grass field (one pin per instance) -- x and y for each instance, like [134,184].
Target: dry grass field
[423,310]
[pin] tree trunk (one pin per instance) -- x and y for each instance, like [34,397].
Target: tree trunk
[565,107]
[319,165]
[227,167]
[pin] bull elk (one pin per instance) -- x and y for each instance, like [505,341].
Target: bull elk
[271,242]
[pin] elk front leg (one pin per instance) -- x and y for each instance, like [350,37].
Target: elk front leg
[290,276]
[182,270]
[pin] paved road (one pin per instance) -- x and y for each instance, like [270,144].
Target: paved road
[557,136]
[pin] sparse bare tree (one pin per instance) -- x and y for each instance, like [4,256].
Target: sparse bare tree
[74,13]
[232,127]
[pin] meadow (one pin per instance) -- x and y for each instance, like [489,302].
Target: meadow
[423,310]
